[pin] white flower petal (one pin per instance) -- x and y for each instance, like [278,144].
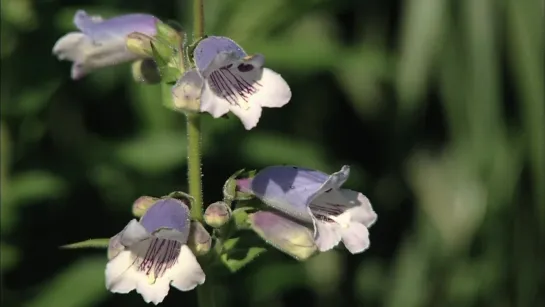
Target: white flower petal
[153,291]
[274,91]
[71,46]
[120,276]
[326,234]
[187,273]
[360,208]
[133,233]
[213,104]
[249,117]
[355,238]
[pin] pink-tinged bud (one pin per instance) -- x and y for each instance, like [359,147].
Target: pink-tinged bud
[287,235]
[142,204]
[199,240]
[217,214]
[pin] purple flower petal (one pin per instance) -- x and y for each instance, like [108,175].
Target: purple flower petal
[119,26]
[290,189]
[167,213]
[210,47]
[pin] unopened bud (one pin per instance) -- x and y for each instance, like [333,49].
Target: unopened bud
[199,240]
[169,33]
[217,214]
[142,204]
[285,234]
[139,44]
[146,71]
[186,93]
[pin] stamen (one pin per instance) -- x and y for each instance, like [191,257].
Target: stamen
[326,211]
[232,86]
[161,255]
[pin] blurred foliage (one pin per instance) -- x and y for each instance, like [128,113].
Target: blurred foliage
[437,104]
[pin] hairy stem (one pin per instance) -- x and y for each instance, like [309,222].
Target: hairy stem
[205,292]
[194,174]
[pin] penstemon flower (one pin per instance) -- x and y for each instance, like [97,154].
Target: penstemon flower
[101,42]
[317,199]
[151,254]
[236,82]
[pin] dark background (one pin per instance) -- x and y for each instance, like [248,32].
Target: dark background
[438,106]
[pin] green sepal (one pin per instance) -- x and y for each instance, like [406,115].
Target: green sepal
[167,63]
[240,251]
[91,243]
[191,48]
[230,187]
[230,192]
[184,197]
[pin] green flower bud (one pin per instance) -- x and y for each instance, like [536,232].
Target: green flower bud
[199,240]
[217,214]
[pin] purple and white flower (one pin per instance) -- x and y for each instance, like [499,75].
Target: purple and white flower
[237,82]
[316,199]
[152,254]
[101,42]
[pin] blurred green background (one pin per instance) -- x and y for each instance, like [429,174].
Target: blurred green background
[438,105]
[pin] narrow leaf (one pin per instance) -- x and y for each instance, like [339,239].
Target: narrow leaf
[91,243]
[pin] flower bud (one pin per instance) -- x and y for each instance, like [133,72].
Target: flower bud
[285,234]
[186,93]
[199,240]
[139,44]
[217,214]
[146,71]
[142,204]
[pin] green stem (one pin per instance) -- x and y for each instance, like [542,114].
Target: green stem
[194,164]
[198,19]
[205,292]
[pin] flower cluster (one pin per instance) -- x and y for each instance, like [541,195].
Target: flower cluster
[297,210]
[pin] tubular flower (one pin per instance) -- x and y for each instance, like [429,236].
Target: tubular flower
[316,198]
[151,254]
[237,82]
[101,42]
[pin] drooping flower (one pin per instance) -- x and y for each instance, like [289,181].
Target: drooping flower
[317,198]
[284,233]
[151,254]
[237,82]
[101,42]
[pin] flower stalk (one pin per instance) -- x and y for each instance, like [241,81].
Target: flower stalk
[205,295]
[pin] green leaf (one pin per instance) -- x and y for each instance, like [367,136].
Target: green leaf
[240,251]
[91,243]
